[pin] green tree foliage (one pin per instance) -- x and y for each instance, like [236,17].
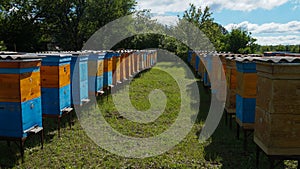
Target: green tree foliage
[2,46]
[204,21]
[239,41]
[20,28]
[280,48]
[28,25]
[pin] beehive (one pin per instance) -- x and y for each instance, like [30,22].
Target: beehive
[108,69]
[197,63]
[117,68]
[95,71]
[127,65]
[277,127]
[230,104]
[151,58]
[138,61]
[129,62]
[123,67]
[201,68]
[223,60]
[246,92]
[144,60]
[193,59]
[20,95]
[134,62]
[141,61]
[208,68]
[56,83]
[79,78]
[189,59]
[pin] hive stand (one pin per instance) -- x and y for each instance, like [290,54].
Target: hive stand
[231,114]
[247,129]
[108,91]
[273,158]
[21,141]
[66,111]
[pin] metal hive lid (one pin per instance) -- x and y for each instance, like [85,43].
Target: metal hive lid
[20,57]
[248,58]
[54,54]
[277,59]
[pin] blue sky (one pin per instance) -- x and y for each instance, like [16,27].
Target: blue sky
[271,22]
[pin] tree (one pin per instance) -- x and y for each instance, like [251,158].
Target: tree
[204,21]
[20,28]
[2,46]
[239,41]
[29,25]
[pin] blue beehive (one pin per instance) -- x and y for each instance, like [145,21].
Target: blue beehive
[79,78]
[208,65]
[145,53]
[108,74]
[20,96]
[246,92]
[190,56]
[55,80]
[95,71]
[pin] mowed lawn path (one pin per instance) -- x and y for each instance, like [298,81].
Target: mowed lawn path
[76,150]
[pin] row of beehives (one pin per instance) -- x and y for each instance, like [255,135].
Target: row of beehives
[48,84]
[264,94]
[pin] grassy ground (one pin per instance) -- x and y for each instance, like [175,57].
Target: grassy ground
[75,150]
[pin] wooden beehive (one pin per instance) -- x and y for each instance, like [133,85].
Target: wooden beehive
[201,68]
[123,66]
[197,63]
[130,66]
[135,65]
[118,68]
[144,60]
[141,60]
[230,104]
[79,78]
[114,69]
[126,66]
[108,69]
[138,61]
[56,83]
[95,71]
[223,60]
[246,92]
[277,123]
[20,96]
[208,68]
[193,59]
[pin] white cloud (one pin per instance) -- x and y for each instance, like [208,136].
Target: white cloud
[166,20]
[292,27]
[278,40]
[164,6]
[272,33]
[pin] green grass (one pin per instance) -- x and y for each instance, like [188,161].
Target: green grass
[76,150]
